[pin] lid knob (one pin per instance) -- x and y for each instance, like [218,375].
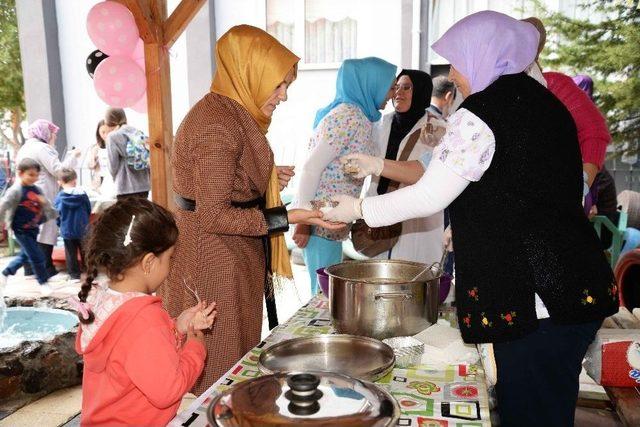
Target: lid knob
[303,394]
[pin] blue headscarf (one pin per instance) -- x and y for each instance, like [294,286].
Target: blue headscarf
[363,83]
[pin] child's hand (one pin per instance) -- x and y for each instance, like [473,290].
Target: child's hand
[194,334]
[200,315]
[204,318]
[184,320]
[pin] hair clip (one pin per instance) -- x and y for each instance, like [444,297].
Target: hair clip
[81,307]
[127,237]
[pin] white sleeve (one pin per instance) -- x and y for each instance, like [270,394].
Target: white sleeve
[49,160]
[48,157]
[464,154]
[438,187]
[312,170]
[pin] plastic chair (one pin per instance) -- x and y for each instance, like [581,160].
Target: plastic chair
[617,234]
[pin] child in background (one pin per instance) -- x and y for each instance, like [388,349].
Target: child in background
[24,208]
[128,156]
[137,363]
[74,208]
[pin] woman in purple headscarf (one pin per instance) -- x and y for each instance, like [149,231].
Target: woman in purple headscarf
[585,83]
[530,276]
[40,146]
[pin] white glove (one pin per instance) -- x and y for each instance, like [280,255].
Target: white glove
[363,165]
[348,210]
[447,241]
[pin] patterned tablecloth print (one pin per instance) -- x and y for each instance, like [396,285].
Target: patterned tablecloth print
[454,396]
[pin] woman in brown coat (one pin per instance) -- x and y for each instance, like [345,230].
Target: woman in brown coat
[223,171]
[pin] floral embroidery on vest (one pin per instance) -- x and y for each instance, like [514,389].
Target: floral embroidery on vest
[485,322]
[588,299]
[473,293]
[508,317]
[467,320]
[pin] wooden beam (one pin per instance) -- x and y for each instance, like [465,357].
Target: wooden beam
[179,19]
[150,30]
[159,110]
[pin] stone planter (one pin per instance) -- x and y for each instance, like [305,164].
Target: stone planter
[33,369]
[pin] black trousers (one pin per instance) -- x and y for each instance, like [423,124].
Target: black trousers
[538,375]
[47,251]
[73,248]
[142,195]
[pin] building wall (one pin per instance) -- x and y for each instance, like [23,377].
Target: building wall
[41,64]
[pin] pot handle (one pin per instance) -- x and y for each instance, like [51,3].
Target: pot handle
[393,295]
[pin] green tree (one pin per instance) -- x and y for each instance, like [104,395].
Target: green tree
[11,84]
[607,48]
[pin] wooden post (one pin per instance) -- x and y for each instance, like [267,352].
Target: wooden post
[159,34]
[159,109]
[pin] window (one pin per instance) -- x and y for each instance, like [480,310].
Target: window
[323,32]
[331,31]
[281,21]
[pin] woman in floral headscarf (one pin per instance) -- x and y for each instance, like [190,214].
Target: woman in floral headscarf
[228,197]
[530,276]
[41,147]
[363,87]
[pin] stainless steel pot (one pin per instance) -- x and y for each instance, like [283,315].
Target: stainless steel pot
[376,298]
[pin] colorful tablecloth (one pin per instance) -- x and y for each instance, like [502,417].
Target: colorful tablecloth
[453,396]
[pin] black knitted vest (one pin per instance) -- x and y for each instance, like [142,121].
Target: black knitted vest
[521,229]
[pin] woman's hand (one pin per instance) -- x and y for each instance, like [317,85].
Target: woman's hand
[304,216]
[301,235]
[361,165]
[348,210]
[285,173]
[200,316]
[447,239]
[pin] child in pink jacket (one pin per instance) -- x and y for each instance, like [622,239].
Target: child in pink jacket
[137,363]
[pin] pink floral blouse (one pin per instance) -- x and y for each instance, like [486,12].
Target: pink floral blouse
[345,130]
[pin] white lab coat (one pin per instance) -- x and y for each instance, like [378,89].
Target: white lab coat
[421,239]
[50,165]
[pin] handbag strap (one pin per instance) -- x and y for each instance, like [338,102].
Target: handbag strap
[406,152]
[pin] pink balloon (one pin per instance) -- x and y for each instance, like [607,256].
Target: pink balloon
[112,28]
[140,62]
[119,81]
[141,105]
[138,52]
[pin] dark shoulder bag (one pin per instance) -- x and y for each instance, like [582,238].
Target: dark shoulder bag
[372,241]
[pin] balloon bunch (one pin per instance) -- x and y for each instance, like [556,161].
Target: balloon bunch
[117,67]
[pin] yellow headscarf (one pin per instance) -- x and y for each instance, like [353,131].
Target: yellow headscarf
[251,64]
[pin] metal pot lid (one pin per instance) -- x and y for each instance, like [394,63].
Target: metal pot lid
[359,357]
[310,399]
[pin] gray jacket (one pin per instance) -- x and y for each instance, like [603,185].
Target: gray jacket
[11,200]
[127,179]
